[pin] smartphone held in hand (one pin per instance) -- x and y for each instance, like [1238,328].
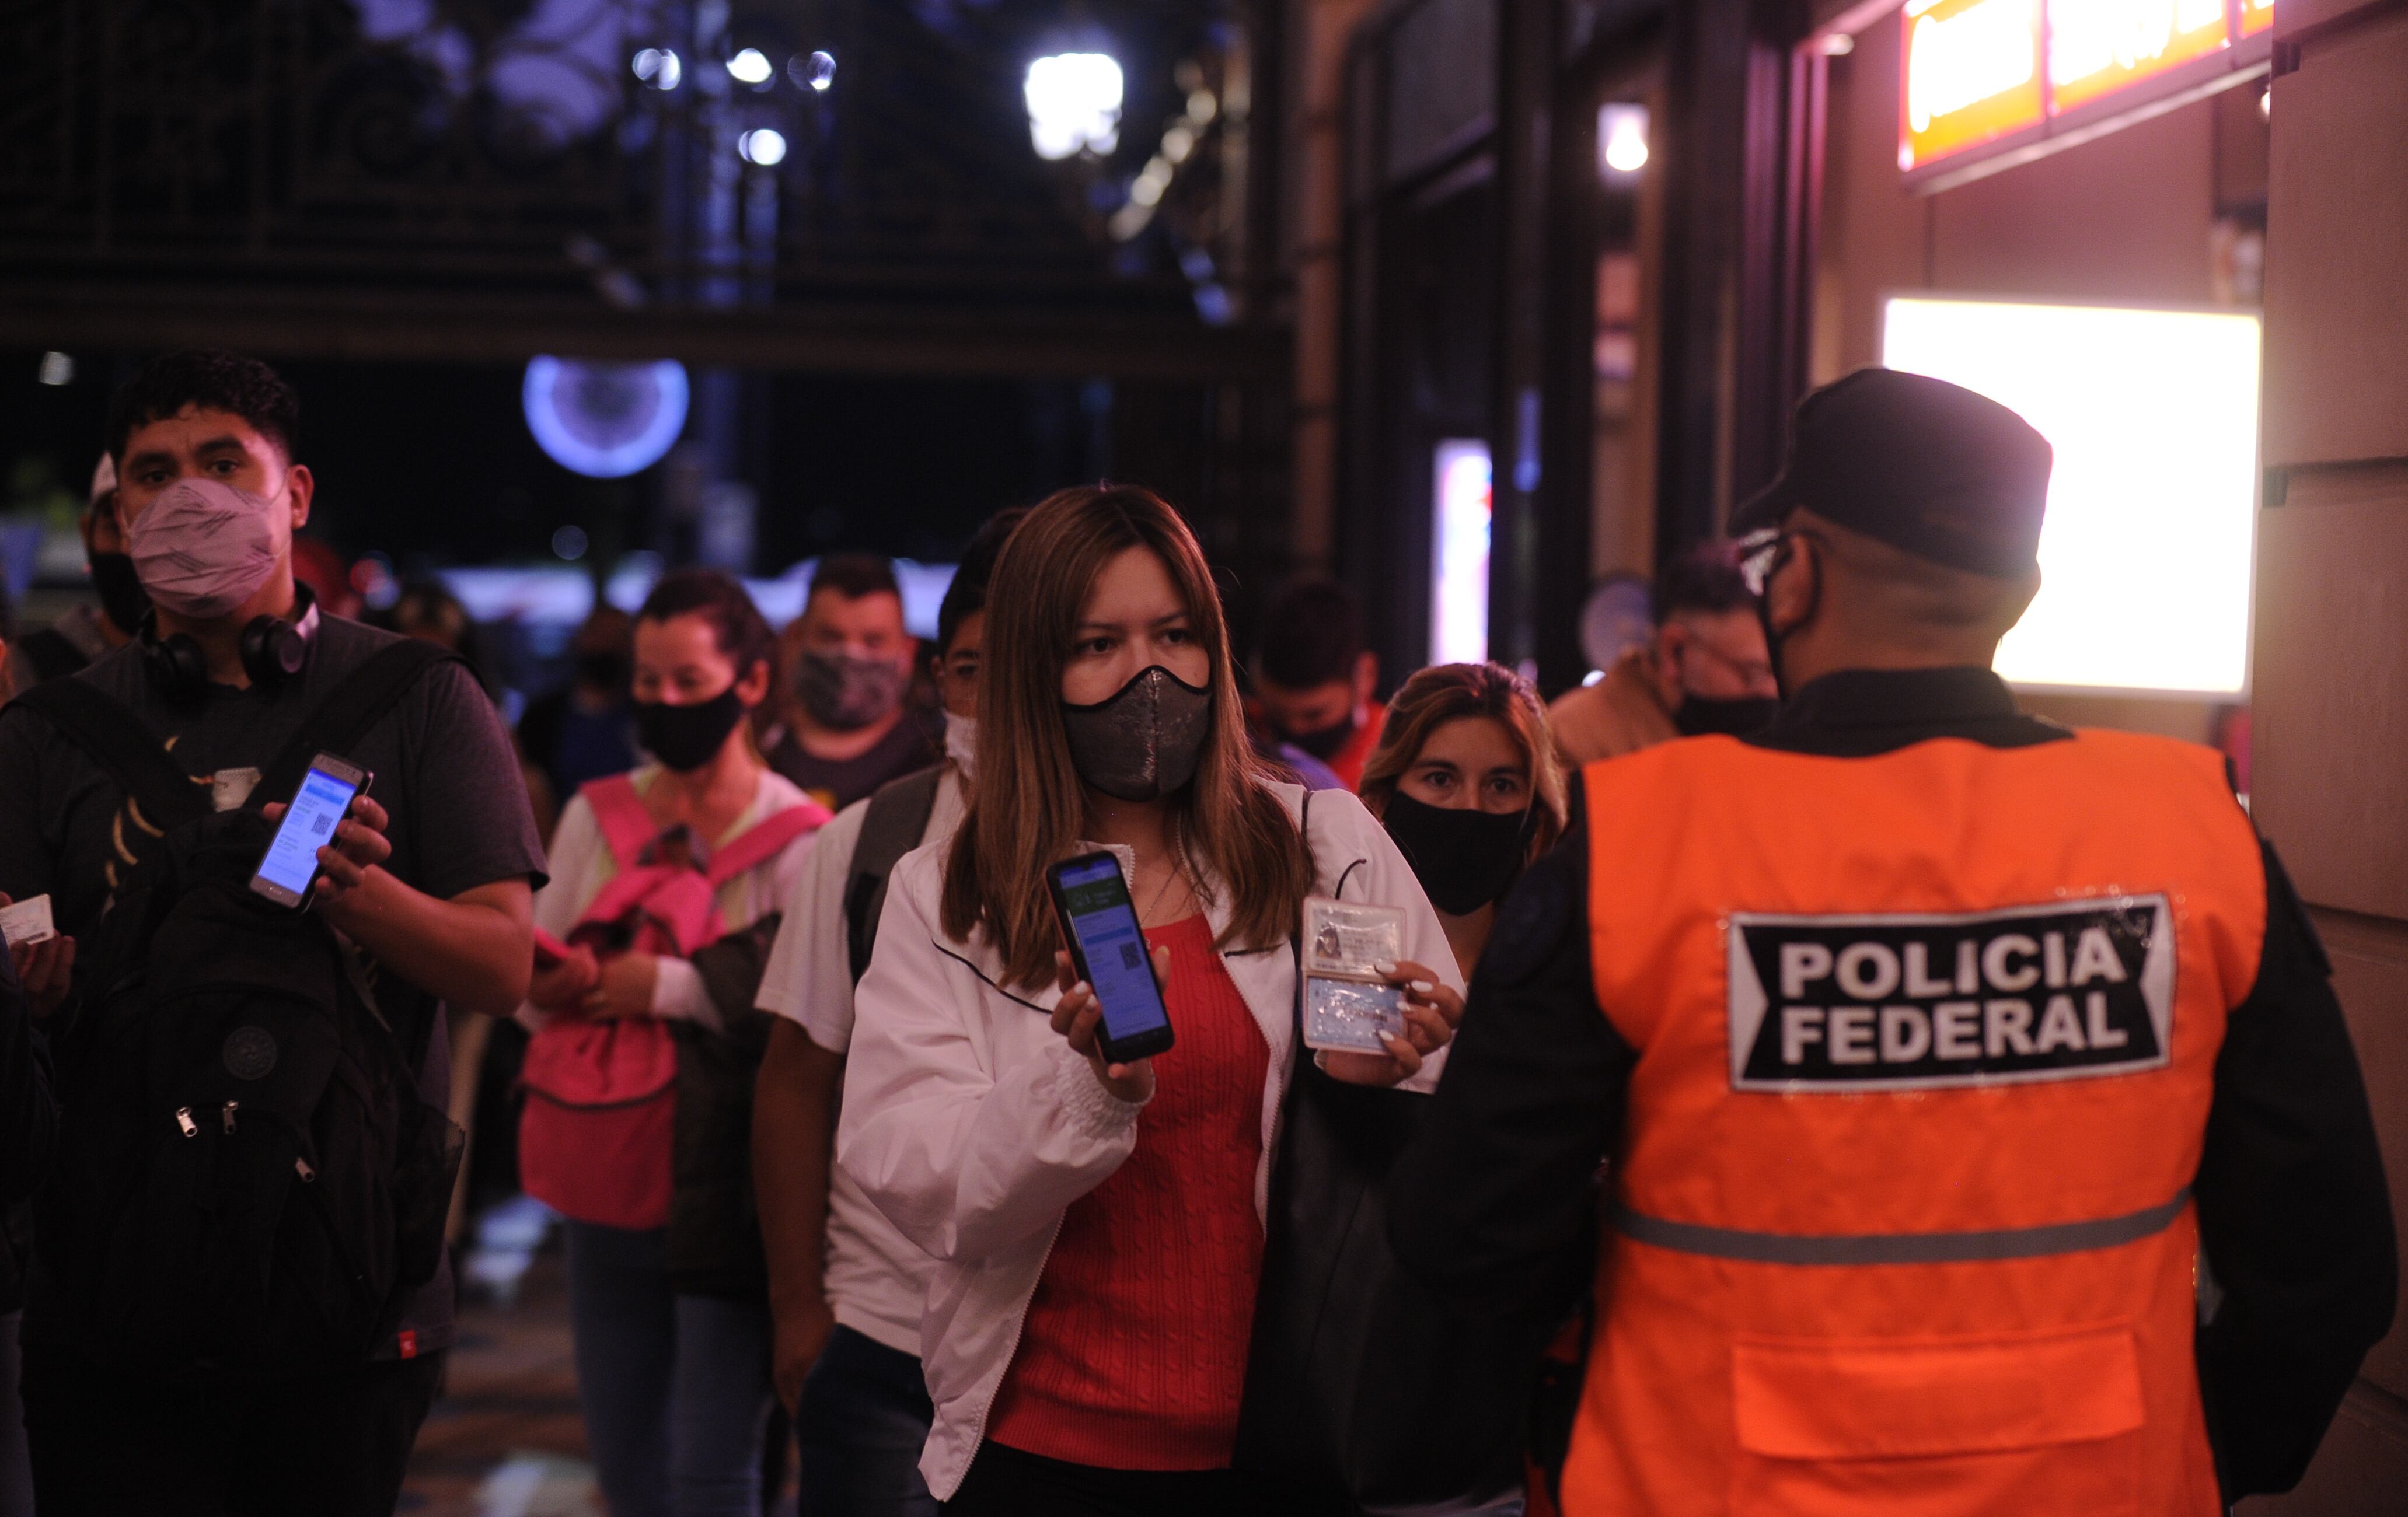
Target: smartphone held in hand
[291,866]
[1108,947]
[1347,1003]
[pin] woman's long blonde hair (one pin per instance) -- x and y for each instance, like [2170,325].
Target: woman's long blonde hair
[1447,693]
[1026,803]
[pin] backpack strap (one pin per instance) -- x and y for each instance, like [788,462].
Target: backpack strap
[764,840]
[365,698]
[122,745]
[896,821]
[628,827]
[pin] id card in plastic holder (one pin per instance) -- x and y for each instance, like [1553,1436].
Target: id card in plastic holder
[1347,1005]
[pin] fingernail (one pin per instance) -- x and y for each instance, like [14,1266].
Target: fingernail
[1421,987]
[1385,967]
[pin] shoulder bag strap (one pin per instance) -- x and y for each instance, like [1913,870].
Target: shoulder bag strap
[122,745]
[896,821]
[628,827]
[365,698]
[764,840]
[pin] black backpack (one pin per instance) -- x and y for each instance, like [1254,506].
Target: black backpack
[248,1181]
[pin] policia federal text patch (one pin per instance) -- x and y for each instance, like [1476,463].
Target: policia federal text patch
[1883,1002]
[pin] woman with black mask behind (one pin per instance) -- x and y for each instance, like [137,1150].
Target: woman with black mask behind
[1467,781]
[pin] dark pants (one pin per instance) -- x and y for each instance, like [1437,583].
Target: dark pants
[1006,1483]
[858,1430]
[115,1444]
[675,1388]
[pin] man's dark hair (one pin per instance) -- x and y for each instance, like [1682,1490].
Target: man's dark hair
[209,379]
[1313,633]
[1702,578]
[855,575]
[967,596]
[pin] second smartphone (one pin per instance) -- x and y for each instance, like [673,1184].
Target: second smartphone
[1091,901]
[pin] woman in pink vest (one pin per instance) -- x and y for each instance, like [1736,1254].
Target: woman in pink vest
[649,945]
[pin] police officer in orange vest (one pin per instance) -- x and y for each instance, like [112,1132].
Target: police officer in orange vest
[1981,1132]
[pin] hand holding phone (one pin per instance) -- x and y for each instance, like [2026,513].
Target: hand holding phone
[311,834]
[1120,1019]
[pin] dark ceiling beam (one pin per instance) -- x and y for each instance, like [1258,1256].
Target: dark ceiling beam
[400,327]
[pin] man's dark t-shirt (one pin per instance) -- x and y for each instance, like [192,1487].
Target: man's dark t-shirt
[913,743]
[443,769]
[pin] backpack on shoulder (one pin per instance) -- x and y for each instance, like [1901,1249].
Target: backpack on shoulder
[249,1182]
[598,1136]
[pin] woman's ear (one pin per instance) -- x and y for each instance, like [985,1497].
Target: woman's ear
[754,687]
[1795,587]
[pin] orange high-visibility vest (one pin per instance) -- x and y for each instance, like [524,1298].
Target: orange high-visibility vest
[1926,1044]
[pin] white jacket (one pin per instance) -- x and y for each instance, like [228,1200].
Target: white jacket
[971,1124]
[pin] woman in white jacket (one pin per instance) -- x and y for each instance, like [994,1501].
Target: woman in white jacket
[1099,1226]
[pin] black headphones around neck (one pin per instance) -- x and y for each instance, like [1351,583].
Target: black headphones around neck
[273,648]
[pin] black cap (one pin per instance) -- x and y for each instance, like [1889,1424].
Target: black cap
[1926,466]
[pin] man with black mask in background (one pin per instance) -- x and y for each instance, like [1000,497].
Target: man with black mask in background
[587,729]
[851,661]
[88,631]
[1704,671]
[1315,677]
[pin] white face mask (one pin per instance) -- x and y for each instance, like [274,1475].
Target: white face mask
[961,743]
[204,547]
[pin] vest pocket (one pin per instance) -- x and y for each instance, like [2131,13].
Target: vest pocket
[2043,1421]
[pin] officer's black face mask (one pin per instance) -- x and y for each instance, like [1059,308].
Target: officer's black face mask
[1143,742]
[1774,637]
[1464,859]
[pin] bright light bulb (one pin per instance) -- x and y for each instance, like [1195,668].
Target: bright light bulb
[823,71]
[764,147]
[1622,137]
[1074,103]
[749,66]
[659,68]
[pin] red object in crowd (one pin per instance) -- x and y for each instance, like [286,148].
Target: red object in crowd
[317,564]
[1134,1352]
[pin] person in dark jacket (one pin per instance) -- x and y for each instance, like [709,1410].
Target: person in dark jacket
[29,1123]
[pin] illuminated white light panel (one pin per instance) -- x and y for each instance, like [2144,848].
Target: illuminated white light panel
[1459,547]
[2151,537]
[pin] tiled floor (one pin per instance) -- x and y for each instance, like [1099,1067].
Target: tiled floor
[505,1441]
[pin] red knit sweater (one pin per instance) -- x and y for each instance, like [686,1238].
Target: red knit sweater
[1134,1351]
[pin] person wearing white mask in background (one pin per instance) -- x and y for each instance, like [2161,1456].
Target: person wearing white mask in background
[845,1287]
[428,877]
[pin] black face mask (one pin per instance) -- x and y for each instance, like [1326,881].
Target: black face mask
[1742,716]
[123,599]
[1323,743]
[604,670]
[1773,640]
[1146,740]
[1464,859]
[686,737]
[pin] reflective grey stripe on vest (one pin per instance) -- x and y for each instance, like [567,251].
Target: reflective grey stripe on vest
[1899,1248]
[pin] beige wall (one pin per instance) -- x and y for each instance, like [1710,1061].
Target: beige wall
[2333,641]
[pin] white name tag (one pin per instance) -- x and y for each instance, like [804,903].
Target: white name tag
[2064,991]
[229,788]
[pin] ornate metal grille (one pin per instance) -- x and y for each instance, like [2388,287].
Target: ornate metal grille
[505,146]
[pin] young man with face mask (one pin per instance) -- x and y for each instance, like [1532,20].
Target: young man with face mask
[846,1289]
[428,878]
[1314,677]
[89,629]
[1703,671]
[852,730]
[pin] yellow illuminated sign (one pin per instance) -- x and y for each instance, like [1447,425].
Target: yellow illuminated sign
[1977,71]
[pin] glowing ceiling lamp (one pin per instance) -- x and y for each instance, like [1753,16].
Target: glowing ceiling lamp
[1621,138]
[1074,103]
